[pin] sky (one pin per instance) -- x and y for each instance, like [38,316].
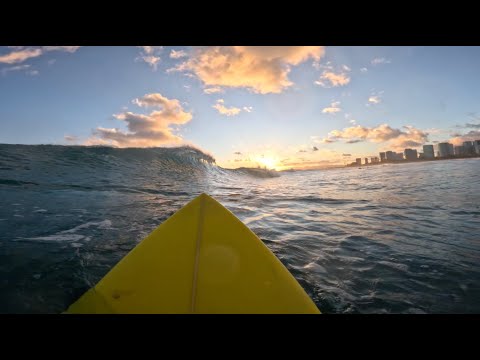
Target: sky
[280,107]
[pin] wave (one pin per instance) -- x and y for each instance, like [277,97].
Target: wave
[72,162]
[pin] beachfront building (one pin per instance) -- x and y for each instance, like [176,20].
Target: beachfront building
[444,150]
[358,161]
[411,154]
[469,148]
[382,157]
[399,156]
[476,145]
[390,155]
[459,150]
[428,152]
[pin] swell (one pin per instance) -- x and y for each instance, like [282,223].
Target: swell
[56,161]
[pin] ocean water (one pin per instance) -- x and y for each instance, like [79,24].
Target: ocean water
[382,239]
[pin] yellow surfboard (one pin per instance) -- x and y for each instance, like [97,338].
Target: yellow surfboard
[202,260]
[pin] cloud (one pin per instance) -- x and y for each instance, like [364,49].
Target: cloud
[153,129]
[69,49]
[470,125]
[19,54]
[346,154]
[70,138]
[333,108]
[260,69]
[248,108]
[150,55]
[315,148]
[228,111]
[332,79]
[363,70]
[237,153]
[4,71]
[213,90]
[177,54]
[378,61]
[469,136]
[396,138]
[32,72]
[374,99]
[302,151]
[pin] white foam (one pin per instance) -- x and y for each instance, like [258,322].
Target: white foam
[18,215]
[105,224]
[76,245]
[40,211]
[57,237]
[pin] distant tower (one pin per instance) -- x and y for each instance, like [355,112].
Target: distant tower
[382,157]
[476,145]
[444,149]
[390,155]
[411,154]
[459,150]
[428,152]
[468,148]
[366,161]
[358,161]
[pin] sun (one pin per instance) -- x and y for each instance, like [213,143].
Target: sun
[268,162]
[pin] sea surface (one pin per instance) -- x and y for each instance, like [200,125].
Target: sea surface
[382,239]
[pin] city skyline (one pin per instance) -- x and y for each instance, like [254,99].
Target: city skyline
[279,107]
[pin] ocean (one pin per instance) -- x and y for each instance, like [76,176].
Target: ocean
[393,238]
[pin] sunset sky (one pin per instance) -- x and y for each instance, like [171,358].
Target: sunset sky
[282,107]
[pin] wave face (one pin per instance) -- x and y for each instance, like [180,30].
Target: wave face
[385,239]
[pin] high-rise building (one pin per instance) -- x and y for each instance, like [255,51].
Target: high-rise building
[382,157]
[411,154]
[428,152]
[358,161]
[366,161]
[390,155]
[469,148]
[476,145]
[443,149]
[450,150]
[421,156]
[399,156]
[459,150]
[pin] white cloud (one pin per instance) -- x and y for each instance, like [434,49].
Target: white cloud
[228,111]
[333,108]
[70,138]
[396,138]
[374,99]
[260,69]
[378,61]
[213,90]
[70,49]
[332,78]
[363,70]
[150,55]
[247,108]
[177,54]
[18,56]
[469,136]
[153,129]
[4,71]
[19,53]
